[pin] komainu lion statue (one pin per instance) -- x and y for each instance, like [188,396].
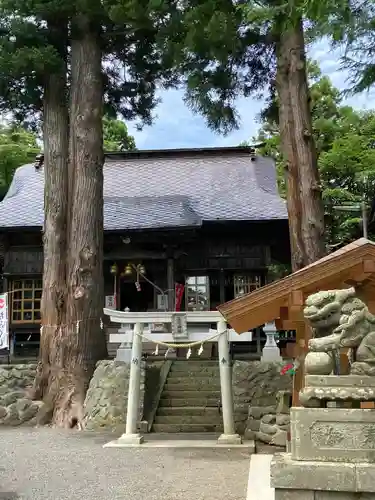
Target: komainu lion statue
[340,319]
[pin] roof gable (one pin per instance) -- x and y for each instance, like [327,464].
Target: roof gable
[339,269]
[170,190]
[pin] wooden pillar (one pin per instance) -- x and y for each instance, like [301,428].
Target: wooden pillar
[170,284]
[222,286]
[303,335]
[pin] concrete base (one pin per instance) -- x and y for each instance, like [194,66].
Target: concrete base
[309,477]
[320,495]
[229,439]
[271,354]
[126,440]
[182,441]
[258,486]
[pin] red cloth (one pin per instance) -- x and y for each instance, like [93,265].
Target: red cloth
[179,292]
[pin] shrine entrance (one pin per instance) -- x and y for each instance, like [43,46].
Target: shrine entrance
[136,300]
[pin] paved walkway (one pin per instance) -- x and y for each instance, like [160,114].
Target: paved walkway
[49,464]
[259,487]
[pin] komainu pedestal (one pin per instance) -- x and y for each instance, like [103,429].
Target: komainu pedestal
[332,437]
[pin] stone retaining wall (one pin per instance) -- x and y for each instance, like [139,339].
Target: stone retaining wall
[106,399]
[270,424]
[16,407]
[256,385]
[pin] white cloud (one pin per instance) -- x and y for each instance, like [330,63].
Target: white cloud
[176,126]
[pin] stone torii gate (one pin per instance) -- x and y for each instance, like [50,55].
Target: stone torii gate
[137,327]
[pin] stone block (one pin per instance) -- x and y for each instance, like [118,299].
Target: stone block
[333,434]
[294,495]
[282,419]
[261,436]
[280,438]
[269,419]
[249,435]
[339,381]
[268,429]
[308,475]
[365,478]
[253,425]
[257,412]
[337,495]
[337,388]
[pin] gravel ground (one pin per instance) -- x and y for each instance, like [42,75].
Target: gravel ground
[41,464]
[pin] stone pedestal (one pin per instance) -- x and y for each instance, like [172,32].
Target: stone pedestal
[332,451]
[313,480]
[333,435]
[124,352]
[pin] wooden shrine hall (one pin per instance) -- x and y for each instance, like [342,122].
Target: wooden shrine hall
[283,301]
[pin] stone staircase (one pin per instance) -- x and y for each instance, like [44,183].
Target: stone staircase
[190,401]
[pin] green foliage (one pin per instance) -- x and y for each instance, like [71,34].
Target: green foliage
[350,25]
[17,147]
[346,149]
[35,38]
[116,136]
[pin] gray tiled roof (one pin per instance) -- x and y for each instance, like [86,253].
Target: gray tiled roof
[161,192]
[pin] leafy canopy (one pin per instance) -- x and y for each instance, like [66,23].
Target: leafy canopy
[116,136]
[34,41]
[346,154]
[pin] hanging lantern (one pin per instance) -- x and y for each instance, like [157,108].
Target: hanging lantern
[142,269]
[128,270]
[113,269]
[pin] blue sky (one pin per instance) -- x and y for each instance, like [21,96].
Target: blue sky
[175,126]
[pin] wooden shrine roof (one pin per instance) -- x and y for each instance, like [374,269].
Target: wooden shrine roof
[351,265]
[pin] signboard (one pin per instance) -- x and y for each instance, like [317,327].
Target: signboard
[4,325]
[110,302]
[162,302]
[179,326]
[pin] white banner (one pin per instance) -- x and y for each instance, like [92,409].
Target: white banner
[4,323]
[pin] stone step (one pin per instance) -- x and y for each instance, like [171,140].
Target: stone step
[195,362]
[190,386]
[192,402]
[180,393]
[207,373]
[195,381]
[188,428]
[214,419]
[195,368]
[188,410]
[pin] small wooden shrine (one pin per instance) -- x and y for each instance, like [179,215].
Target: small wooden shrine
[283,301]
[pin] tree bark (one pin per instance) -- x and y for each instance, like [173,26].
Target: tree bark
[55,134]
[83,343]
[305,207]
[288,145]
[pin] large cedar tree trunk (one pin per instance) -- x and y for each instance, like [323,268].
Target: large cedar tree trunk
[84,341]
[55,135]
[305,207]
